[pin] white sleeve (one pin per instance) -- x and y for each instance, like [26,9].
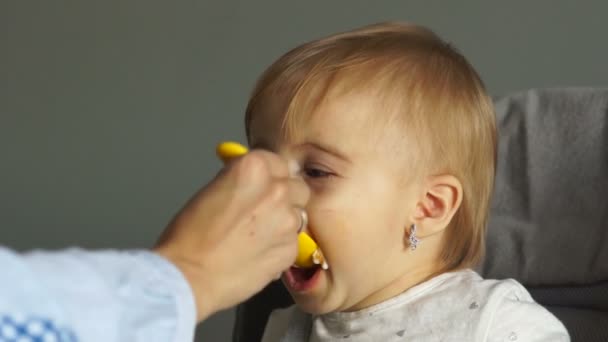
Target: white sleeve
[518,318]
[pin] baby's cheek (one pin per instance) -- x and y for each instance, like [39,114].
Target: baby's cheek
[346,242]
[330,228]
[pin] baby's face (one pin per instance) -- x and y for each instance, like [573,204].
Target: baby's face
[359,206]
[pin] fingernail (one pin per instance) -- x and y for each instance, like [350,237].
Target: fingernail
[294,167]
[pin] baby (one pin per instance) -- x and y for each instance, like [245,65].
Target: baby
[396,138]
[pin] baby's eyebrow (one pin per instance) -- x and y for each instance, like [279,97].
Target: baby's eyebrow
[264,145]
[328,149]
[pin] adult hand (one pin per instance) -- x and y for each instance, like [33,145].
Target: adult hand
[238,233]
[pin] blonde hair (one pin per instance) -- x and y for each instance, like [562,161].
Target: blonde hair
[425,85]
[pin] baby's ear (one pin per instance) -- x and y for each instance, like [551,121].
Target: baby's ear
[440,201]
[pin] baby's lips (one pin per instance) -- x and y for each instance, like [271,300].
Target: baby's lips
[309,253]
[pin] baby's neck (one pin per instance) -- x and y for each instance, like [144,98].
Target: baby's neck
[397,286]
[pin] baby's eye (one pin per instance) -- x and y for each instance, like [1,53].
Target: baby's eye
[316,173]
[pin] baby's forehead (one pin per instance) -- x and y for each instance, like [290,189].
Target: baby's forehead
[352,120]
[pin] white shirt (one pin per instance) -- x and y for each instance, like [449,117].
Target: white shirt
[456,306]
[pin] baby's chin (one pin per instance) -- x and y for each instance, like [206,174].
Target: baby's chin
[323,295]
[313,307]
[329,301]
[319,303]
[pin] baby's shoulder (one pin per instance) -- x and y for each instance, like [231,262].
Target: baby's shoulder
[509,313]
[468,284]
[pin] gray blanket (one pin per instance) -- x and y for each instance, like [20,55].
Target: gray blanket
[549,218]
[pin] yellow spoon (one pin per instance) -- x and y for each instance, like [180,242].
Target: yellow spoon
[309,253]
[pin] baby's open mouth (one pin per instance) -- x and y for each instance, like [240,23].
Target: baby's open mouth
[302,279]
[303,274]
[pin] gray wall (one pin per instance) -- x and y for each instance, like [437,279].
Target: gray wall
[110,110]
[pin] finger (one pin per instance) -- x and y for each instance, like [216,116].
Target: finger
[277,165]
[281,257]
[287,221]
[299,192]
[293,222]
[251,170]
[289,253]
